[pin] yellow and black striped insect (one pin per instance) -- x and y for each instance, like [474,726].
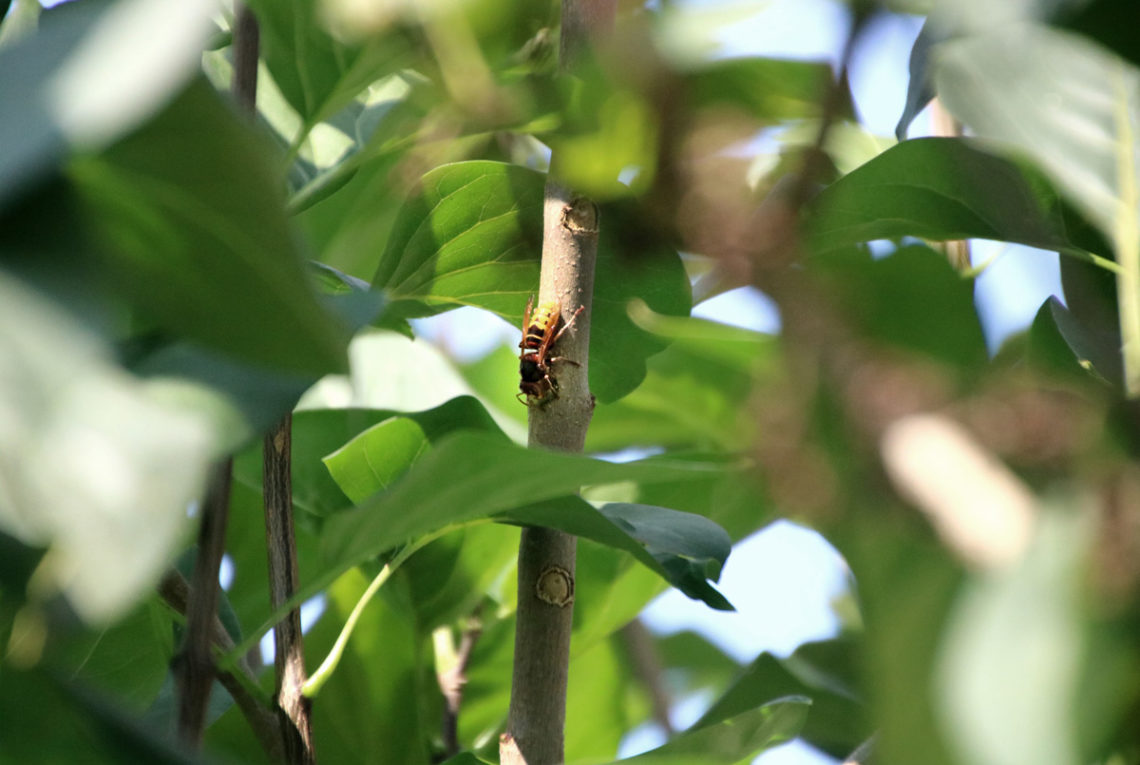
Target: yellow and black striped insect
[541,330]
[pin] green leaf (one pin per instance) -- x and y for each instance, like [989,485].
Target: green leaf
[470,477]
[450,577]
[1052,353]
[837,723]
[685,549]
[322,433]
[58,76]
[316,73]
[1073,108]
[735,739]
[1010,667]
[711,367]
[600,709]
[940,189]
[691,548]
[382,706]
[377,457]
[473,236]
[146,636]
[766,88]
[198,240]
[44,718]
[912,299]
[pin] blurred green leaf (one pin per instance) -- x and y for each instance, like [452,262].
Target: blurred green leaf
[769,89]
[1012,652]
[911,299]
[599,707]
[316,73]
[1007,86]
[61,78]
[44,718]
[735,739]
[940,189]
[907,586]
[198,240]
[130,659]
[694,663]
[1072,107]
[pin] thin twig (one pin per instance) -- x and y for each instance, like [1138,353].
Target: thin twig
[289,657]
[289,660]
[196,661]
[646,665]
[451,682]
[175,590]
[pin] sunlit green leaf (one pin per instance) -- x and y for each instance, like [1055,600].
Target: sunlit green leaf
[473,235]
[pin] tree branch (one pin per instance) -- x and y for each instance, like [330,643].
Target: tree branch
[175,590]
[289,658]
[451,682]
[195,666]
[646,665]
[537,717]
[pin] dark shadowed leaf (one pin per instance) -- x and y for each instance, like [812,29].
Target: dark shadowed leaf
[196,237]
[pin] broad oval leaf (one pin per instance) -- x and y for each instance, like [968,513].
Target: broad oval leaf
[472,235]
[1058,98]
[470,477]
[940,189]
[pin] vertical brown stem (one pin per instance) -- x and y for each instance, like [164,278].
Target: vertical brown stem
[535,725]
[451,685]
[289,660]
[646,665]
[196,665]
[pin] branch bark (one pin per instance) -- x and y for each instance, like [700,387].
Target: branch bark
[289,657]
[289,660]
[175,590]
[536,721]
[196,661]
[451,684]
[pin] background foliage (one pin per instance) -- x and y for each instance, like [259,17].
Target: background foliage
[173,280]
